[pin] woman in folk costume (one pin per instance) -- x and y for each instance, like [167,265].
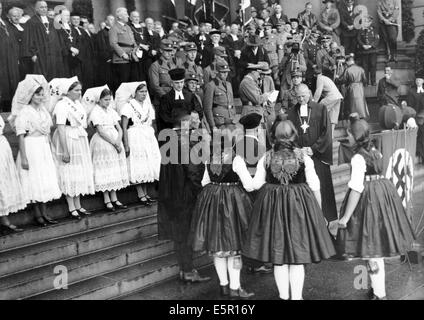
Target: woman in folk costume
[287,227]
[71,148]
[107,150]
[221,215]
[12,197]
[35,162]
[140,144]
[373,221]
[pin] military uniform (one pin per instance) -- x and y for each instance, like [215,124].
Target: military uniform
[289,98]
[310,50]
[159,79]
[270,46]
[218,102]
[281,41]
[369,57]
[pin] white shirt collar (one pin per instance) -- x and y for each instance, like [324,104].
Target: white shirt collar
[2,22]
[19,27]
[44,19]
[255,49]
[234,36]
[121,23]
[150,32]
[420,90]
[304,110]
[179,95]
[137,25]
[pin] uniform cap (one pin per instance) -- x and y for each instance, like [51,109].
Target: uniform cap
[177,74]
[214,32]
[296,73]
[222,66]
[191,46]
[220,51]
[167,45]
[191,76]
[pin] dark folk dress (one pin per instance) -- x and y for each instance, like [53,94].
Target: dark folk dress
[287,224]
[379,226]
[221,215]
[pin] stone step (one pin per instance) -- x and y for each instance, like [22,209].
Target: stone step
[58,250]
[70,227]
[124,281]
[82,268]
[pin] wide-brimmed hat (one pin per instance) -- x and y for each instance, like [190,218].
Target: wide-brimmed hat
[264,67]
[177,74]
[251,121]
[254,41]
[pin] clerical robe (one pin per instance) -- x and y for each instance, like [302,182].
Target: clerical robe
[315,132]
[44,42]
[9,66]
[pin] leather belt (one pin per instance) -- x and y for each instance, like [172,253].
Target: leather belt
[125,45]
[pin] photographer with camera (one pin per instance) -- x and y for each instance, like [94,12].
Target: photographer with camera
[294,60]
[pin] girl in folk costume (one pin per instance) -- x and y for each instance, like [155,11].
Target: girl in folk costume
[140,144]
[71,148]
[12,198]
[373,221]
[107,150]
[35,163]
[221,215]
[287,228]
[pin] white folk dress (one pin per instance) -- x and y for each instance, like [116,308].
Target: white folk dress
[110,167]
[145,159]
[12,197]
[40,182]
[75,177]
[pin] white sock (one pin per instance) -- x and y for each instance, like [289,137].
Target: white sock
[221,270]
[378,280]
[297,278]
[281,276]
[234,274]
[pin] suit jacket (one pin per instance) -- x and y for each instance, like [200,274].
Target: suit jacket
[274,20]
[347,19]
[247,56]
[309,21]
[121,39]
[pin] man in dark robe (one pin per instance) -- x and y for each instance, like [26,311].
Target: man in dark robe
[17,30]
[252,54]
[179,186]
[41,44]
[104,54]
[177,98]
[88,54]
[153,40]
[314,128]
[9,67]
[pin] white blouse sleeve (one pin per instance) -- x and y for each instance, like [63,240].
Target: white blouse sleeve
[359,167]
[21,122]
[95,117]
[311,176]
[260,177]
[1,125]
[206,179]
[239,167]
[61,113]
[126,111]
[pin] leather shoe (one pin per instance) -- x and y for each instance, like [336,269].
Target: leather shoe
[12,228]
[150,200]
[119,205]
[40,222]
[225,290]
[50,220]
[241,294]
[75,215]
[194,277]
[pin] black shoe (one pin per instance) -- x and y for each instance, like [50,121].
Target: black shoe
[12,228]
[145,202]
[40,222]
[110,207]
[50,220]
[225,290]
[119,205]
[377,298]
[241,294]
[83,212]
[75,215]
[150,200]
[194,277]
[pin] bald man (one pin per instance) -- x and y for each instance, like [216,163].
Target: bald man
[42,46]
[314,129]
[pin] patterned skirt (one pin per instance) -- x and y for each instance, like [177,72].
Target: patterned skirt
[110,167]
[12,196]
[221,220]
[379,226]
[145,159]
[288,227]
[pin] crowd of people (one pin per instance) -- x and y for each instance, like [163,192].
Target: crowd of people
[269,196]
